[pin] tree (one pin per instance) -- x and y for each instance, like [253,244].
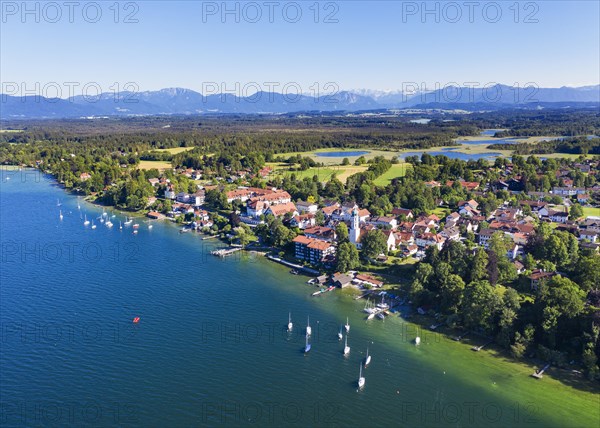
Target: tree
[341,230]
[588,273]
[347,257]
[346,161]
[575,212]
[480,305]
[479,264]
[373,244]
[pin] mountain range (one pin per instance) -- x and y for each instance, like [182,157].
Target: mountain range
[180,101]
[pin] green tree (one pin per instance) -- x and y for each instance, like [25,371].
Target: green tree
[347,257]
[373,244]
[575,212]
[341,231]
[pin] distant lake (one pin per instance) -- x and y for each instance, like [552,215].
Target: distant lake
[490,142]
[491,132]
[421,121]
[452,154]
[341,154]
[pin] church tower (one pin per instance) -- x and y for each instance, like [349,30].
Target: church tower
[354,227]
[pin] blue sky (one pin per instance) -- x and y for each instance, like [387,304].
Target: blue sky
[376,45]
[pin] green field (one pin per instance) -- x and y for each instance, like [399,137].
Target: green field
[590,211]
[338,160]
[160,165]
[324,173]
[175,150]
[397,170]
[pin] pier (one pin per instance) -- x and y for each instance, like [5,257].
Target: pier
[538,374]
[479,348]
[225,252]
[299,268]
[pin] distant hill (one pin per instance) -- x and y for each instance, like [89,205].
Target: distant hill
[187,102]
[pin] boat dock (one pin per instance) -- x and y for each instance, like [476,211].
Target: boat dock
[538,374]
[299,268]
[225,252]
[479,348]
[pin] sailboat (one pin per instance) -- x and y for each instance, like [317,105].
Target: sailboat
[346,347]
[347,325]
[361,379]
[78,205]
[58,204]
[60,215]
[86,221]
[417,340]
[290,325]
[367,358]
[340,335]
[127,221]
[109,223]
[93,225]
[307,346]
[371,316]
[308,329]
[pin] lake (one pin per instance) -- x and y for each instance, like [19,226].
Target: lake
[210,347]
[342,154]
[452,153]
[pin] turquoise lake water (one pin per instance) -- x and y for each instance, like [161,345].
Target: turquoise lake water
[210,348]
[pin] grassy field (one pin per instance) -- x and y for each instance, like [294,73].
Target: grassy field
[338,160]
[397,170]
[590,211]
[160,165]
[175,150]
[324,173]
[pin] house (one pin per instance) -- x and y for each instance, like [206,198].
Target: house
[387,222]
[314,251]
[84,176]
[469,211]
[197,198]
[256,208]
[471,203]
[467,185]
[410,250]
[154,215]
[390,239]
[399,212]
[303,221]
[451,233]
[583,198]
[519,267]
[452,219]
[153,181]
[307,207]
[362,278]
[182,197]
[534,205]
[538,276]
[558,216]
[320,232]
[282,209]
[588,235]
[341,280]
[484,237]
[430,239]
[170,192]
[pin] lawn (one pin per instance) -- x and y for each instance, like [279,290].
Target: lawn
[160,165]
[397,170]
[338,159]
[175,150]
[324,173]
[591,211]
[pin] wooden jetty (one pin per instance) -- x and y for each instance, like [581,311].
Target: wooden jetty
[538,374]
[225,252]
[479,348]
